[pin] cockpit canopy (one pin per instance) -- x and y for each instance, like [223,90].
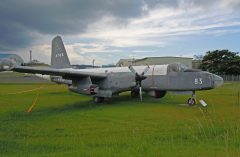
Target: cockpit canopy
[178,67]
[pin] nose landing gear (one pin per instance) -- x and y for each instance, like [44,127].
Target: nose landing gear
[192,101]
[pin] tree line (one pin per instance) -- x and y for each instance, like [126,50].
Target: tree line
[222,62]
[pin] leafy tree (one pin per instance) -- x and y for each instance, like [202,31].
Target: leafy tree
[198,57]
[221,62]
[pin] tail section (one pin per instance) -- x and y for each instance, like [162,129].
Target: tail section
[59,59]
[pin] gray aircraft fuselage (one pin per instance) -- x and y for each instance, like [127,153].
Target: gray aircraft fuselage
[118,81]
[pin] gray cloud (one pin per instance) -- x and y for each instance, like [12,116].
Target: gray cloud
[200,3]
[18,19]
[13,35]
[162,3]
[22,20]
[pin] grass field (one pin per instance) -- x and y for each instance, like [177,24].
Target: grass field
[66,124]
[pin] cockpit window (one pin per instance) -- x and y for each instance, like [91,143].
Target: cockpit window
[176,67]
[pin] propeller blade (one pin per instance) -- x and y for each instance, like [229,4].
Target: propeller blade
[139,78]
[132,69]
[140,93]
[145,70]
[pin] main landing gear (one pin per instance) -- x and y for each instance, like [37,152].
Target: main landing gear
[192,101]
[135,94]
[98,100]
[159,94]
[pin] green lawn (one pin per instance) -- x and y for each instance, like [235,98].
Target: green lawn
[67,124]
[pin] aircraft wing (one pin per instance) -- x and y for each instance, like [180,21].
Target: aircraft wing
[65,73]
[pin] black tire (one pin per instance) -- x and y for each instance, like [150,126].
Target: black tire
[98,100]
[191,102]
[159,94]
[135,94]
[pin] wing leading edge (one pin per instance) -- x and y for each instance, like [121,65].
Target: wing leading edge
[67,73]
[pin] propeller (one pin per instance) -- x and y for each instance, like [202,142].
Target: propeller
[139,78]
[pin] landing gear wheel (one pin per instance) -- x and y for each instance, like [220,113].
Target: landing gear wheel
[191,102]
[98,100]
[134,94]
[159,94]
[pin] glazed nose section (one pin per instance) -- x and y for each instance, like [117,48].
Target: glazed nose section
[218,81]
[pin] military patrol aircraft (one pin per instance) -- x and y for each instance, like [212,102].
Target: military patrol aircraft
[102,83]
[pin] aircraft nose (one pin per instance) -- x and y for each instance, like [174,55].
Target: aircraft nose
[218,81]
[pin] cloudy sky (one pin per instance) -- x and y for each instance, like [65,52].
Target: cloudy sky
[108,30]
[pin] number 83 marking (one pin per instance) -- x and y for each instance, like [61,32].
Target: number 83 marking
[198,81]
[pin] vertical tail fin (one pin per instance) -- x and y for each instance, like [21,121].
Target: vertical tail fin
[59,59]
